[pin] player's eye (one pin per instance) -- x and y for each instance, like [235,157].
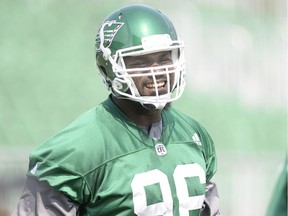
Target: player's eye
[166,60]
[137,64]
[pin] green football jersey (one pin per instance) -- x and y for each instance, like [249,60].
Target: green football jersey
[110,166]
[278,201]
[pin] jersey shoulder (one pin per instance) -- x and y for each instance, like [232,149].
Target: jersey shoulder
[83,137]
[188,123]
[184,124]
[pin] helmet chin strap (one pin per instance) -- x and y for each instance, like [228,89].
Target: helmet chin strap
[154,106]
[158,102]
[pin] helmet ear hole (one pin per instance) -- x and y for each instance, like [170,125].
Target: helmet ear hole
[102,71]
[104,74]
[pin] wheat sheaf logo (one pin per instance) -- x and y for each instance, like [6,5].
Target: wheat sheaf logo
[108,31]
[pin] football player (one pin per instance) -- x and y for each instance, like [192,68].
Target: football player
[133,154]
[278,201]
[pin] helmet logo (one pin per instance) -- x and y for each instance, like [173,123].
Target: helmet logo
[109,29]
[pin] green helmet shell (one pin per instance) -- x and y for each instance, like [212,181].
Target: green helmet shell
[127,26]
[139,30]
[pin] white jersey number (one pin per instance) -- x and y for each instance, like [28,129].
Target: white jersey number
[186,203]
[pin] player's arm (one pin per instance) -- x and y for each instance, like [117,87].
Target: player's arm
[278,203]
[211,202]
[39,198]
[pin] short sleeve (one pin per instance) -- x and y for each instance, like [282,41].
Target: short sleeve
[62,179]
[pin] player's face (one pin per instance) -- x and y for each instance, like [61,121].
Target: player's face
[145,84]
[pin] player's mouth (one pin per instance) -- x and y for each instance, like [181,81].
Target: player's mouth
[153,86]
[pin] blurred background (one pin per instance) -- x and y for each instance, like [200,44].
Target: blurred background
[237,85]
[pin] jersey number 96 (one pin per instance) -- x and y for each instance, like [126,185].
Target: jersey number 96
[186,203]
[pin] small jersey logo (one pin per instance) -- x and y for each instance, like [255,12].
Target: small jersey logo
[196,139]
[160,149]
